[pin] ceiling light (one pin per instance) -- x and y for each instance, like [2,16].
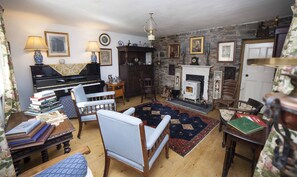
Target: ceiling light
[150,27]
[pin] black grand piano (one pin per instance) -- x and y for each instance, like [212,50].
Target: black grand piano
[46,78]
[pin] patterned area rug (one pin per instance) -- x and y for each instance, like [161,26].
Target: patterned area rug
[187,127]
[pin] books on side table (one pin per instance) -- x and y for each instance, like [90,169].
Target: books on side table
[43,102]
[246,124]
[29,133]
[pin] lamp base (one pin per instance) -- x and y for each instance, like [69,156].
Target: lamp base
[38,58]
[93,58]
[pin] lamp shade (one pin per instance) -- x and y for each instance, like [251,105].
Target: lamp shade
[93,46]
[35,43]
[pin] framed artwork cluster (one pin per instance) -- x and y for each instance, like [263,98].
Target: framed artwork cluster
[58,44]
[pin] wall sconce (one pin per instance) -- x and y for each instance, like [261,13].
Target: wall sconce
[150,27]
[93,47]
[37,44]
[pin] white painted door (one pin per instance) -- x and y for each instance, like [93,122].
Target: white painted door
[256,80]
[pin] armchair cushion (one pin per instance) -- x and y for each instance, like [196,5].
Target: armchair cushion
[80,94]
[75,165]
[226,114]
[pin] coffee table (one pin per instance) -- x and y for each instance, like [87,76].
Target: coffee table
[62,134]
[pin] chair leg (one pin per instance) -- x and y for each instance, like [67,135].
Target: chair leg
[141,98]
[167,150]
[220,126]
[106,167]
[79,130]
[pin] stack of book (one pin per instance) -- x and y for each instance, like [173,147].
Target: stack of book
[29,133]
[247,124]
[43,102]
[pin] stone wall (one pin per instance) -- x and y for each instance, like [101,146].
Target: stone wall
[212,36]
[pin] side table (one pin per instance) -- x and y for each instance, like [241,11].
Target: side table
[119,89]
[62,134]
[255,141]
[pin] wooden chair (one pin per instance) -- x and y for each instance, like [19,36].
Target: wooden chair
[128,141]
[147,88]
[40,168]
[251,106]
[87,105]
[229,88]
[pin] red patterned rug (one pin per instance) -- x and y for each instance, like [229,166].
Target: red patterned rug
[187,127]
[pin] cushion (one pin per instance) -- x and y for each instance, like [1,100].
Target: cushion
[80,95]
[75,165]
[226,114]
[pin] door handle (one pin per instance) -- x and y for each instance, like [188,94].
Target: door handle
[246,75]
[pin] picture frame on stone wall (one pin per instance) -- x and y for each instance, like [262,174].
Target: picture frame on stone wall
[174,51]
[197,45]
[226,51]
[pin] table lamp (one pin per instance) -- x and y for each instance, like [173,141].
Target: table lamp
[37,44]
[282,107]
[93,47]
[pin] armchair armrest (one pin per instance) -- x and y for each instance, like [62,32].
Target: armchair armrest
[157,132]
[244,111]
[108,94]
[33,171]
[129,111]
[95,103]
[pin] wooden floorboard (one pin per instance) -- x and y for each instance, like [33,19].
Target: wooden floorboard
[206,159]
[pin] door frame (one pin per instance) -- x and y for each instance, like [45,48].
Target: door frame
[244,42]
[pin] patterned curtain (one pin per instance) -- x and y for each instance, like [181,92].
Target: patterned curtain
[283,83]
[11,103]
[11,97]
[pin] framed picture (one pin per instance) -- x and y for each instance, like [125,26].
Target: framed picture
[162,54]
[197,45]
[105,57]
[217,84]
[174,51]
[104,39]
[58,44]
[226,51]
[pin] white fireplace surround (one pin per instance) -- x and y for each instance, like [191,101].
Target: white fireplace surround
[196,70]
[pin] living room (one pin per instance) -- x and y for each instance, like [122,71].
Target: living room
[240,23]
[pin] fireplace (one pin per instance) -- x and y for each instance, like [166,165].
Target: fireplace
[198,74]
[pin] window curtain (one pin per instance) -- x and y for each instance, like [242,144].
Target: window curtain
[11,98]
[11,102]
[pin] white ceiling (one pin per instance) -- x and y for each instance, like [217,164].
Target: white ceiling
[171,16]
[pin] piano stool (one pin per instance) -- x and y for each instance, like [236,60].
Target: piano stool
[68,106]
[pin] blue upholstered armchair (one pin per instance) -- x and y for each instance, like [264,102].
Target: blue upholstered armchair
[87,105]
[127,140]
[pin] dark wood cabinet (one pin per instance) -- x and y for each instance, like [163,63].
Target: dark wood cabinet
[279,39]
[133,66]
